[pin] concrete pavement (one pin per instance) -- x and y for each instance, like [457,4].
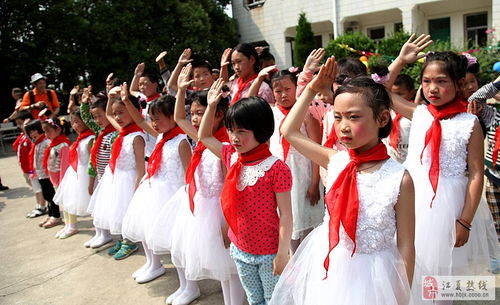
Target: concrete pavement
[36,268]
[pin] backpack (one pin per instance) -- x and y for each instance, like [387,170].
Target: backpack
[32,96]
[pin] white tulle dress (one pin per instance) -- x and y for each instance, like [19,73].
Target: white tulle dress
[375,274]
[435,226]
[197,244]
[305,216]
[154,193]
[73,191]
[112,196]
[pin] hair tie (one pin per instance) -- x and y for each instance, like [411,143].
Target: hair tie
[427,54]
[293,70]
[380,79]
[471,60]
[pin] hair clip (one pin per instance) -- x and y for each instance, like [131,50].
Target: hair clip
[293,70]
[471,60]
[427,54]
[380,79]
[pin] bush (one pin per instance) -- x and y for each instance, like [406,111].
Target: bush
[391,45]
[355,40]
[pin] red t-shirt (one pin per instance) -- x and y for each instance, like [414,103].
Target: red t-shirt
[22,147]
[258,220]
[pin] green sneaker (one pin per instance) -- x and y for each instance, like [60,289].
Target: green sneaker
[125,251]
[115,248]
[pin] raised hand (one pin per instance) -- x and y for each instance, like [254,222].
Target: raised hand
[185,57]
[259,50]
[74,90]
[313,61]
[411,48]
[87,95]
[214,94]
[225,60]
[184,80]
[267,71]
[114,92]
[139,69]
[324,80]
[124,92]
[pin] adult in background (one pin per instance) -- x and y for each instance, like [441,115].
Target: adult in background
[17,95]
[40,98]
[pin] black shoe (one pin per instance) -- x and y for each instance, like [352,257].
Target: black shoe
[3,188]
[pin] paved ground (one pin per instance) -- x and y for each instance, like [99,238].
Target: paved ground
[36,268]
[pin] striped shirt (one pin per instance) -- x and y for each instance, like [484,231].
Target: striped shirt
[104,153]
[490,116]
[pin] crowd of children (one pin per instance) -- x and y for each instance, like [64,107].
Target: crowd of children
[321,186]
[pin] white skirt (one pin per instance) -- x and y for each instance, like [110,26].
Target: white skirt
[159,237]
[112,198]
[72,193]
[377,278]
[197,243]
[147,202]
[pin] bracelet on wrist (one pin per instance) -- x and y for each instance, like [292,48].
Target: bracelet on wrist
[465,222]
[464,225]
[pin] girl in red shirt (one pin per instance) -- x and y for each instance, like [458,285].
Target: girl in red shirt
[256,195]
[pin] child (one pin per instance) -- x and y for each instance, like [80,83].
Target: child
[94,116]
[356,244]
[55,161]
[245,63]
[40,143]
[397,142]
[163,178]
[199,221]
[307,213]
[202,73]
[256,195]
[122,175]
[446,160]
[73,195]
[22,146]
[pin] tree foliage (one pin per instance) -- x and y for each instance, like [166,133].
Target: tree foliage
[73,41]
[354,40]
[304,41]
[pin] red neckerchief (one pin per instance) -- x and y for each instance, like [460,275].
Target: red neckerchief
[56,141]
[332,138]
[32,152]
[154,162]
[284,142]
[496,148]
[117,145]
[95,148]
[342,200]
[229,192]
[149,99]
[73,152]
[220,135]
[394,135]
[241,86]
[17,142]
[433,135]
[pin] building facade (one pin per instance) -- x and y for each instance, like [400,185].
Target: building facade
[272,22]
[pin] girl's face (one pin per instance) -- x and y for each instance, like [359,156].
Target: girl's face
[326,96]
[470,85]
[439,89]
[99,116]
[284,92]
[77,124]
[34,135]
[197,112]
[202,78]
[242,65]
[147,87]
[51,132]
[354,122]
[243,140]
[162,123]
[121,115]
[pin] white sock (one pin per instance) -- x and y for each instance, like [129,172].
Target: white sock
[182,285]
[238,295]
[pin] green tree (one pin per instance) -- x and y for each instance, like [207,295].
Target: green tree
[304,41]
[354,40]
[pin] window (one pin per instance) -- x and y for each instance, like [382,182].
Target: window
[439,29]
[254,3]
[398,27]
[318,41]
[475,29]
[376,33]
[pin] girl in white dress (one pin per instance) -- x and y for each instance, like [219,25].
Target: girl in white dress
[355,246]
[307,203]
[200,220]
[73,192]
[445,158]
[164,176]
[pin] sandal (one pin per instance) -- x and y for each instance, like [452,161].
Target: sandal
[37,212]
[44,222]
[52,223]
